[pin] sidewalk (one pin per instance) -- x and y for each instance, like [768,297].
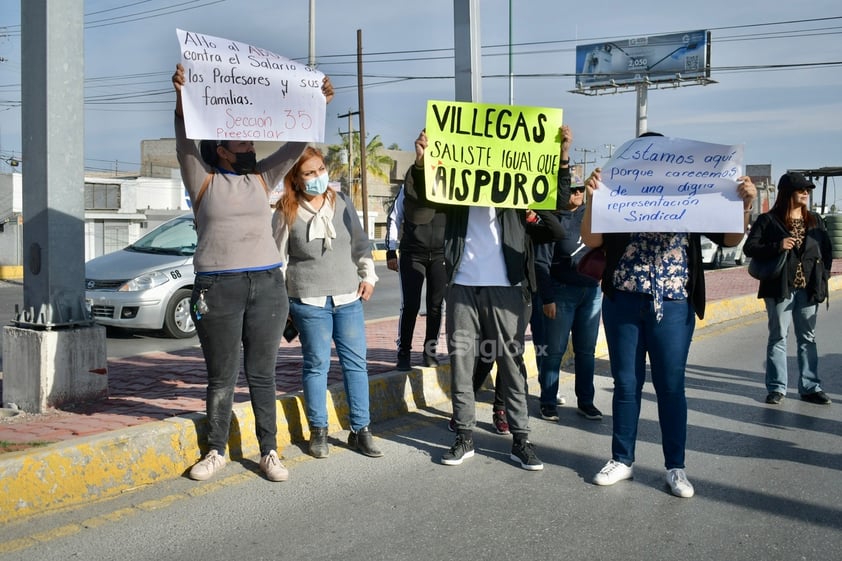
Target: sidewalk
[150,427]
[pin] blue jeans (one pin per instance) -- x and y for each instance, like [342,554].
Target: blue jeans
[248,309]
[345,326]
[632,333]
[577,312]
[802,315]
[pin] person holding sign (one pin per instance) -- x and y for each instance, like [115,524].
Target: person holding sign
[570,303]
[488,254]
[330,272]
[239,297]
[653,288]
[793,296]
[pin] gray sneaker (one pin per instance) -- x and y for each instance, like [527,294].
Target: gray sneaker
[207,466]
[678,483]
[271,465]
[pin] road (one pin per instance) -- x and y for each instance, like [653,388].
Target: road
[766,478]
[121,343]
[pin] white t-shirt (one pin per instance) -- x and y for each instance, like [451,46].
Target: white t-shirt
[482,261]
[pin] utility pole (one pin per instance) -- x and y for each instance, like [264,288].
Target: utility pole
[610,150]
[585,161]
[363,167]
[350,133]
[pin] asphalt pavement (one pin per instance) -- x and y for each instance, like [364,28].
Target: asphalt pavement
[150,427]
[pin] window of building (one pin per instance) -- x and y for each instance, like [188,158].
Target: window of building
[102,196]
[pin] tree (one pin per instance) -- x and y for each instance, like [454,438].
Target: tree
[378,164]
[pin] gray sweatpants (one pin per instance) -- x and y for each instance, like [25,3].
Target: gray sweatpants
[487,322]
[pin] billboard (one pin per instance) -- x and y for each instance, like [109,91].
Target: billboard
[660,58]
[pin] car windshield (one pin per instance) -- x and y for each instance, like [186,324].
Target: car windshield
[176,237]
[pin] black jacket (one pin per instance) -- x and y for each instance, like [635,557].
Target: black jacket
[517,235]
[422,224]
[555,263]
[815,256]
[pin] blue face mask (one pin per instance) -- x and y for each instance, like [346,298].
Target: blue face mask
[317,185]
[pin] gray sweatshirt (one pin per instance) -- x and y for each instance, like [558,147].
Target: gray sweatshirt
[233,219]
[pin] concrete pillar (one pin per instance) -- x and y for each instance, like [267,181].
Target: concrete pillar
[52,351]
[61,367]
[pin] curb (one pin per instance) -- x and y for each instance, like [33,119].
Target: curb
[70,473]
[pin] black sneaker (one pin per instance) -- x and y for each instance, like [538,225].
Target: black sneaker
[819,398]
[549,412]
[775,398]
[590,412]
[462,449]
[403,363]
[524,452]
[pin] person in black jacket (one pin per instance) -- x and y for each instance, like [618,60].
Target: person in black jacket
[419,224]
[491,276]
[794,296]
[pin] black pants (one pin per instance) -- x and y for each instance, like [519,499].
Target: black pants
[415,268]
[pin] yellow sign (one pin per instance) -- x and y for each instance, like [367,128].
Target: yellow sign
[492,155]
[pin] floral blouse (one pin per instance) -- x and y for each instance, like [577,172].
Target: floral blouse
[655,263]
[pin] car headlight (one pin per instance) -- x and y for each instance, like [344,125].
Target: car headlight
[146,281]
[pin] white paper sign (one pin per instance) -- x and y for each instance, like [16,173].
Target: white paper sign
[235,91]
[660,184]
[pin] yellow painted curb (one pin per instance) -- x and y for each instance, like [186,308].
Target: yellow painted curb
[11,272]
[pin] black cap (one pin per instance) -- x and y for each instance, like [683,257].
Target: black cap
[792,181]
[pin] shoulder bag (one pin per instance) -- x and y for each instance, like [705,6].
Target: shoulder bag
[592,264]
[766,269]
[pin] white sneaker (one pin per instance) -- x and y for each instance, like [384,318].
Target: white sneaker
[207,466]
[612,473]
[560,399]
[271,465]
[679,484]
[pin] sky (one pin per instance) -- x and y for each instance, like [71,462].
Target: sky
[777,68]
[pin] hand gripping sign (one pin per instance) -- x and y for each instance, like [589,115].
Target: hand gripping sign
[660,184]
[235,91]
[492,155]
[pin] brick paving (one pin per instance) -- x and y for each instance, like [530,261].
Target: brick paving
[159,385]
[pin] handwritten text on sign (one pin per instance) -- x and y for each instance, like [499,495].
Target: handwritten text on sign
[492,155]
[660,184]
[235,91]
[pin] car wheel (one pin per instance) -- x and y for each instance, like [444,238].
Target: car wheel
[177,322]
[717,258]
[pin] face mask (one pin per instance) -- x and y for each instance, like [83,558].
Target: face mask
[317,185]
[246,162]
